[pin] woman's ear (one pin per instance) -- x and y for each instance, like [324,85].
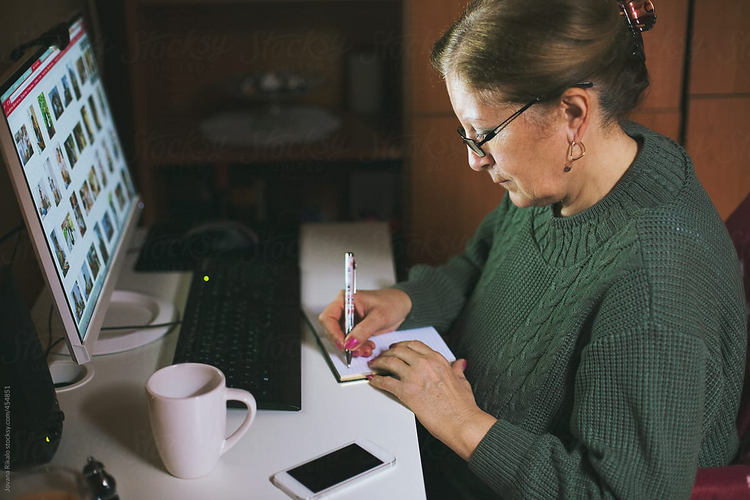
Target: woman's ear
[576,104]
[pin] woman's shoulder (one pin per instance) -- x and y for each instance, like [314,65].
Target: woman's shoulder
[675,206]
[687,255]
[665,144]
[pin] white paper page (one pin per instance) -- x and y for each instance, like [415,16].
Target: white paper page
[427,335]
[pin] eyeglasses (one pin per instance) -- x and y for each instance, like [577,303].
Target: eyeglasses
[476,146]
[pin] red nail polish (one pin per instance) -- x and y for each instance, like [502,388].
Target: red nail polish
[369,377]
[465,365]
[351,344]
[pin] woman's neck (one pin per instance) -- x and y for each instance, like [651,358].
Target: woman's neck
[609,155]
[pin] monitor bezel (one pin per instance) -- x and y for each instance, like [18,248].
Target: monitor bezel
[80,350]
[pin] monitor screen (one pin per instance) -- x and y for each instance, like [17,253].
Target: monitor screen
[72,168]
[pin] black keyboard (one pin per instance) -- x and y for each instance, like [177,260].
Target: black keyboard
[243,317]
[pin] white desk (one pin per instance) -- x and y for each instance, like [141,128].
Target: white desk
[107,417]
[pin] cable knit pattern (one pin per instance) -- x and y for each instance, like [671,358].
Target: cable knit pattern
[610,344]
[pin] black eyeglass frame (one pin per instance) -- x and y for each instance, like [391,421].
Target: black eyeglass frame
[476,147]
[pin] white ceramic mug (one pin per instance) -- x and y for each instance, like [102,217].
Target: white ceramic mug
[187,409]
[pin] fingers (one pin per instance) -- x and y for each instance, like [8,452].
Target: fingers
[375,310]
[416,346]
[401,356]
[389,364]
[413,356]
[384,382]
[459,367]
[371,324]
[365,350]
[330,319]
[409,351]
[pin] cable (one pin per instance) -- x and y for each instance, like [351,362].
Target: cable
[18,230]
[10,233]
[49,349]
[51,344]
[15,249]
[49,328]
[58,35]
[142,327]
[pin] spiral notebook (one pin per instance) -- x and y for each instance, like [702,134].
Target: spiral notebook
[358,370]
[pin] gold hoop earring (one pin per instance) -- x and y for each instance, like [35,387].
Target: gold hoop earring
[572,154]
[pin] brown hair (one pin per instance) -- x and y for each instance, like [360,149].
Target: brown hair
[522,49]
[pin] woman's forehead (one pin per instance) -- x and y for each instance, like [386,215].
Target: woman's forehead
[468,104]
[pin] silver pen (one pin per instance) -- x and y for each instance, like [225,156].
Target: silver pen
[350,288]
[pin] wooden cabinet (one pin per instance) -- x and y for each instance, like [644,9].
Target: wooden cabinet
[718,100]
[439,214]
[424,23]
[661,109]
[447,198]
[721,48]
[181,56]
[719,143]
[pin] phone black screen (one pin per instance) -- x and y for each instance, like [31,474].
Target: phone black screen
[334,468]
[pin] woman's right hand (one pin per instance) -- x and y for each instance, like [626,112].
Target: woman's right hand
[377,311]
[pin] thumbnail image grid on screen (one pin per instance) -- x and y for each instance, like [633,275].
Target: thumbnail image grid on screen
[69,150]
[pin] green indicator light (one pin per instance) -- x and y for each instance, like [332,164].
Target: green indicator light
[205,278]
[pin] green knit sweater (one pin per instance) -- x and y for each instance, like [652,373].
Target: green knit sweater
[610,344]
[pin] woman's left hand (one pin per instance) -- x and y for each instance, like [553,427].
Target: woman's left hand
[436,391]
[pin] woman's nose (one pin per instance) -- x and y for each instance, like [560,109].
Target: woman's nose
[478,163]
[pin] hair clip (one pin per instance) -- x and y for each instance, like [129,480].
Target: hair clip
[640,16]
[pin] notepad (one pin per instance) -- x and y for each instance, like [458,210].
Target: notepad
[358,370]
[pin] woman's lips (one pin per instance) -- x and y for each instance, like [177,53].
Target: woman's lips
[497,179]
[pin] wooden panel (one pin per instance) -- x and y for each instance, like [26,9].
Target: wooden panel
[448,200]
[666,122]
[719,142]
[424,23]
[721,47]
[665,54]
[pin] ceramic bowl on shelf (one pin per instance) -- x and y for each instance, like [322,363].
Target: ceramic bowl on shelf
[270,126]
[270,86]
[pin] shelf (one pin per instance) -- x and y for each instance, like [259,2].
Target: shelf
[177,140]
[180,52]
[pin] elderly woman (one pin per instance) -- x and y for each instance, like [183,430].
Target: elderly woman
[598,311]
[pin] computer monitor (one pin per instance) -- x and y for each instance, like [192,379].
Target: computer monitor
[74,188]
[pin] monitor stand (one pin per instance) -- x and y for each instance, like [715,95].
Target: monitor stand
[128,308]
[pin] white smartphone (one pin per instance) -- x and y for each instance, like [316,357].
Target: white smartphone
[327,473]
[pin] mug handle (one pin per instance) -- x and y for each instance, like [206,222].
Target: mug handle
[252,411]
